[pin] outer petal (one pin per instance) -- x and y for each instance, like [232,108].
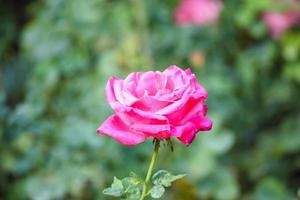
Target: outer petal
[171,70]
[186,133]
[128,114]
[156,131]
[199,91]
[113,93]
[193,108]
[146,122]
[116,128]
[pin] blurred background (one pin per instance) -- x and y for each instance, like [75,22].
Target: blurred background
[55,59]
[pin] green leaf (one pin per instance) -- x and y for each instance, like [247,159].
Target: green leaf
[132,187]
[128,188]
[116,189]
[165,178]
[157,191]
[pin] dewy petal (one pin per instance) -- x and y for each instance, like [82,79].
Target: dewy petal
[117,129]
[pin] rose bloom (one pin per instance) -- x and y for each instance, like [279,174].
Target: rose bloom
[198,12]
[279,22]
[156,104]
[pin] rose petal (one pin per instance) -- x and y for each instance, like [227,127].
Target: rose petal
[113,93]
[116,128]
[131,82]
[150,103]
[205,124]
[171,70]
[187,132]
[146,122]
[193,108]
[183,109]
[149,83]
[151,129]
[176,77]
[141,116]
[174,107]
[129,98]
[199,91]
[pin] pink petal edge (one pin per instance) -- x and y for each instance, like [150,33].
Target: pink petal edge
[114,127]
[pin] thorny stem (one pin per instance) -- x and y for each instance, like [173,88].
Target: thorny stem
[150,169]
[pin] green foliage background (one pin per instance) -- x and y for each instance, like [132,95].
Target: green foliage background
[56,56]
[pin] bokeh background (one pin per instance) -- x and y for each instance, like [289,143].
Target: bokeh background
[56,56]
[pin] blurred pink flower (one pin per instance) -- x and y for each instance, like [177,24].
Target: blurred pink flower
[156,104]
[279,22]
[198,12]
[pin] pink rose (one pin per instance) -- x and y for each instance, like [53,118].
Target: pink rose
[156,104]
[279,22]
[198,12]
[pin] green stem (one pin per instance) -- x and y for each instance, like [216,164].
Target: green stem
[150,169]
